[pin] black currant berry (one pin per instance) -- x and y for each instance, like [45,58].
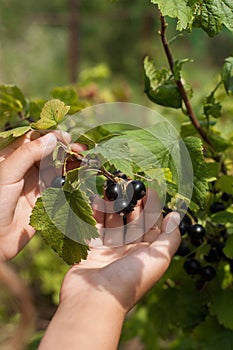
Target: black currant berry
[123,206]
[196,232]
[185,225]
[196,242]
[225,197]
[208,272]
[121,175]
[216,207]
[183,249]
[212,256]
[192,266]
[58,181]
[223,233]
[166,211]
[113,191]
[136,190]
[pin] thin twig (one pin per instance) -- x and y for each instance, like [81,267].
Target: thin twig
[180,85]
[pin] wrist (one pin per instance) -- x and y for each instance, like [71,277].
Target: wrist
[92,319]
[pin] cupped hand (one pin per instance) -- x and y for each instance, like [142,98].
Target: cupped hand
[132,259]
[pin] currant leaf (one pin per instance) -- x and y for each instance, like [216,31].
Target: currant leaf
[228,249]
[52,114]
[6,137]
[71,213]
[221,306]
[69,250]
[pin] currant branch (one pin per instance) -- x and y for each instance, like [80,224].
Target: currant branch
[180,85]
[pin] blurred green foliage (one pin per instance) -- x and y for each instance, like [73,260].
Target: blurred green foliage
[114,37]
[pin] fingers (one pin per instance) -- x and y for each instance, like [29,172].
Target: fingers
[21,160]
[148,263]
[98,207]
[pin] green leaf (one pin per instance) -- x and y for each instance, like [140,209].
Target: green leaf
[178,67]
[161,147]
[96,135]
[115,148]
[69,96]
[6,137]
[225,184]
[71,213]
[228,249]
[176,9]
[211,107]
[200,185]
[208,18]
[222,307]
[212,336]
[160,87]
[227,75]
[11,99]
[220,143]
[222,217]
[209,15]
[34,109]
[52,114]
[69,250]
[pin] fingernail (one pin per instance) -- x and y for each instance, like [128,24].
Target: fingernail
[48,140]
[173,222]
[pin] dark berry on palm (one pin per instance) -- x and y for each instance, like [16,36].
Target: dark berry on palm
[136,190]
[113,191]
[192,266]
[58,181]
[122,205]
[196,231]
[216,207]
[208,272]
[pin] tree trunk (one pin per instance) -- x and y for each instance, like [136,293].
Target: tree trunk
[73,40]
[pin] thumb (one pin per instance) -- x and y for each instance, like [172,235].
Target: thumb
[20,161]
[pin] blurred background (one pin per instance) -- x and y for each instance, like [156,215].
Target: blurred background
[49,43]
[99,47]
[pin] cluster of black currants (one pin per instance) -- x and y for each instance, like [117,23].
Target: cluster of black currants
[124,193]
[205,273]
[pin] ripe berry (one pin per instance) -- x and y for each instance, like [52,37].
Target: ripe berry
[183,249]
[196,232]
[208,272]
[196,242]
[58,181]
[113,191]
[185,225]
[212,256]
[216,207]
[166,211]
[118,173]
[136,190]
[225,197]
[122,205]
[192,266]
